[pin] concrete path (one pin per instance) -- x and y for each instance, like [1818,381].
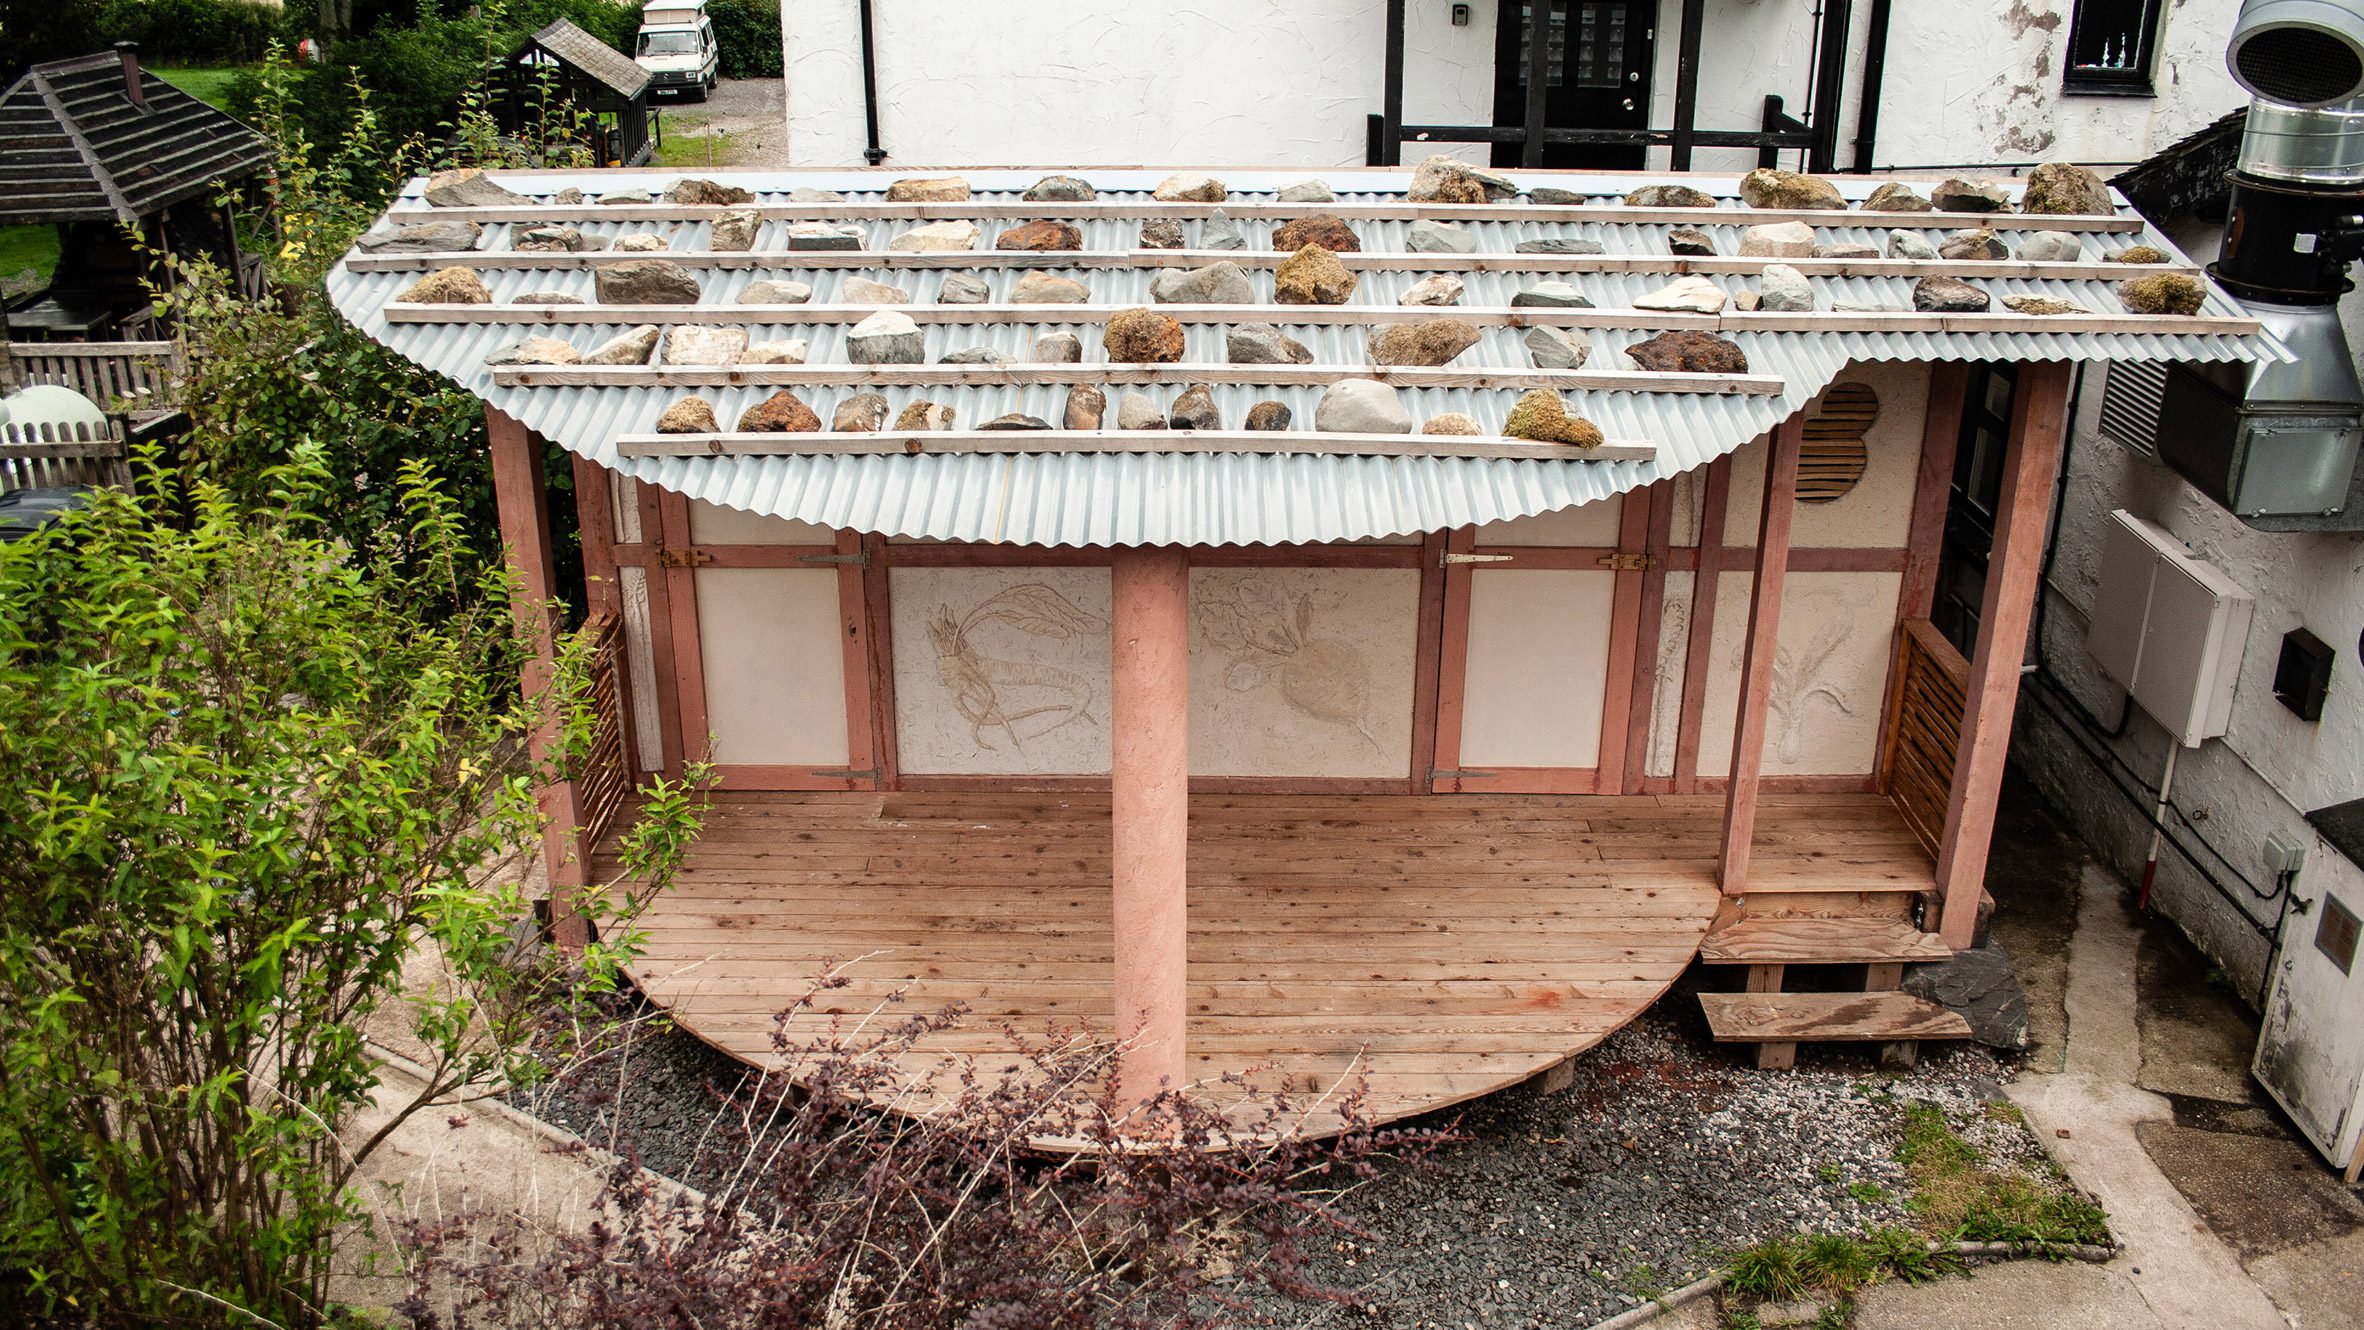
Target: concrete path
[2175,1272]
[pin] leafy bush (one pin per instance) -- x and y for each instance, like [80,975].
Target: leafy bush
[821,1209]
[747,35]
[248,780]
[192,32]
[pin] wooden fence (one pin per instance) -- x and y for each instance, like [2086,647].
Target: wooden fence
[604,776]
[118,376]
[48,456]
[1924,728]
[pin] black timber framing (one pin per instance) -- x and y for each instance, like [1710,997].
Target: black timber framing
[1778,132]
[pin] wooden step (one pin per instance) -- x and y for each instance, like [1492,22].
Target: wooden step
[1749,1018]
[1792,940]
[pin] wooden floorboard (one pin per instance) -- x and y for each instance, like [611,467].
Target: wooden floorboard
[1432,949]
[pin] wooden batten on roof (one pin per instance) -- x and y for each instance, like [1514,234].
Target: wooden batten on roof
[99,139]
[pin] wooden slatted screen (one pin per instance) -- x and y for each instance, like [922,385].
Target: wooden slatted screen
[46,455]
[1924,728]
[1834,455]
[604,775]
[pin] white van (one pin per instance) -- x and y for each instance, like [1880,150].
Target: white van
[676,47]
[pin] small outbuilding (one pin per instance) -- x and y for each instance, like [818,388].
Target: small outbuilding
[99,147]
[1382,626]
[596,79]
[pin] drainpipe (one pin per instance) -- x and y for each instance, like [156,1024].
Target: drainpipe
[2150,863]
[874,154]
[1875,65]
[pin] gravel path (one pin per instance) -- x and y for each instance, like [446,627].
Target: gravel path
[1556,1210]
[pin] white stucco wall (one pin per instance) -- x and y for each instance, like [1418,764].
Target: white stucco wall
[2272,767]
[1083,83]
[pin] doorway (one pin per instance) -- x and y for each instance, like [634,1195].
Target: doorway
[1597,57]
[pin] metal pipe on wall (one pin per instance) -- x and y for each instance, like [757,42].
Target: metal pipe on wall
[873,153]
[1875,69]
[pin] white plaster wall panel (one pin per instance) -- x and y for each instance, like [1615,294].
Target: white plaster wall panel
[1302,672]
[1749,49]
[1591,524]
[1001,671]
[714,524]
[1538,662]
[640,669]
[775,675]
[623,499]
[1877,513]
[1080,83]
[1666,683]
[1830,674]
[1686,492]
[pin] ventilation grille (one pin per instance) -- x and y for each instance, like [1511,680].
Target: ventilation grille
[2299,66]
[2130,404]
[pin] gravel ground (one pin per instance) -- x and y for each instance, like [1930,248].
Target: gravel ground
[1555,1210]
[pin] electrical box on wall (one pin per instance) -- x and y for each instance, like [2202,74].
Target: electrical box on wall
[2169,627]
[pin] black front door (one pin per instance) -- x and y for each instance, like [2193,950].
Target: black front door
[1596,75]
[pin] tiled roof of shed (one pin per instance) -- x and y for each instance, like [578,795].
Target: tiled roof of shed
[73,147]
[1152,488]
[616,71]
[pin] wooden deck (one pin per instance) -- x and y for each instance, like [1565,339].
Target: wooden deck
[1442,947]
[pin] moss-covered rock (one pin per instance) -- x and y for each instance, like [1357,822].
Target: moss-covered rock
[2065,189]
[2161,293]
[1313,276]
[1768,188]
[1542,416]
[1142,337]
[2141,254]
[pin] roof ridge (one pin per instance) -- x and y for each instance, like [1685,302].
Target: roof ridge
[72,128]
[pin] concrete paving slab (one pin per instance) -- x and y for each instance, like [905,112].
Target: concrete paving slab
[2196,1035]
[2258,1194]
[2320,1285]
[2023,1295]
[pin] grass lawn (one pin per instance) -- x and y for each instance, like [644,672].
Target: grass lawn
[205,84]
[23,247]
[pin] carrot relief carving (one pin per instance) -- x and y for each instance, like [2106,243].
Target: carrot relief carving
[1268,637]
[1012,700]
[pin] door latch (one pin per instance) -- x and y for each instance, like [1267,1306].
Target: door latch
[1628,563]
[687,558]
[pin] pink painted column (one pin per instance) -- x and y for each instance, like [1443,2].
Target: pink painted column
[1150,798]
[523,503]
[1764,644]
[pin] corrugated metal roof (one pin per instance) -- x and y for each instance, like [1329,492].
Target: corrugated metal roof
[1204,498]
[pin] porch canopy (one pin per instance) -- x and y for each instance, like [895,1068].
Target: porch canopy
[1295,487]
[1445,947]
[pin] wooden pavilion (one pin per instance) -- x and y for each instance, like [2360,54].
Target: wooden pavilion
[591,76]
[1293,754]
[99,148]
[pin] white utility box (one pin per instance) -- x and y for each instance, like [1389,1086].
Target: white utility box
[2170,627]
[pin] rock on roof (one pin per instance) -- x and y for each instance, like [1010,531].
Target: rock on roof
[611,68]
[943,330]
[75,148]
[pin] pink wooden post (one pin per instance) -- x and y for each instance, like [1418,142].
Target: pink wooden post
[1150,799]
[523,502]
[1756,668]
[2031,461]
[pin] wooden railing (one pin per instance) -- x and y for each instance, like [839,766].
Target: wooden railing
[48,456]
[118,376]
[1924,728]
[604,777]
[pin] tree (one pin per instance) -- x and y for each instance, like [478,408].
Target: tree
[248,776]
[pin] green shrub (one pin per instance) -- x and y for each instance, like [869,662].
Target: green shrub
[1771,1271]
[191,32]
[747,33]
[1838,1263]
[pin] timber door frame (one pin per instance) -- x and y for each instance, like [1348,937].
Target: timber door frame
[674,565]
[1631,561]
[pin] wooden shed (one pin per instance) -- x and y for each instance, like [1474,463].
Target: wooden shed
[593,77]
[96,146]
[1303,752]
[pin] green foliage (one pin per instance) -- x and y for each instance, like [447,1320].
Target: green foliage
[747,37]
[27,247]
[219,87]
[1870,1193]
[247,783]
[1906,1255]
[1838,1262]
[1960,1197]
[192,32]
[1771,1271]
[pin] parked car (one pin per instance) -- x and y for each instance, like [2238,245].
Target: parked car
[676,46]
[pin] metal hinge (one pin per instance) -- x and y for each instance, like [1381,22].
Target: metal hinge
[1435,775]
[870,774]
[689,558]
[1449,558]
[860,559]
[1629,563]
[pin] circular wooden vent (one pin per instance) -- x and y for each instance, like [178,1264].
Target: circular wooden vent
[1833,457]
